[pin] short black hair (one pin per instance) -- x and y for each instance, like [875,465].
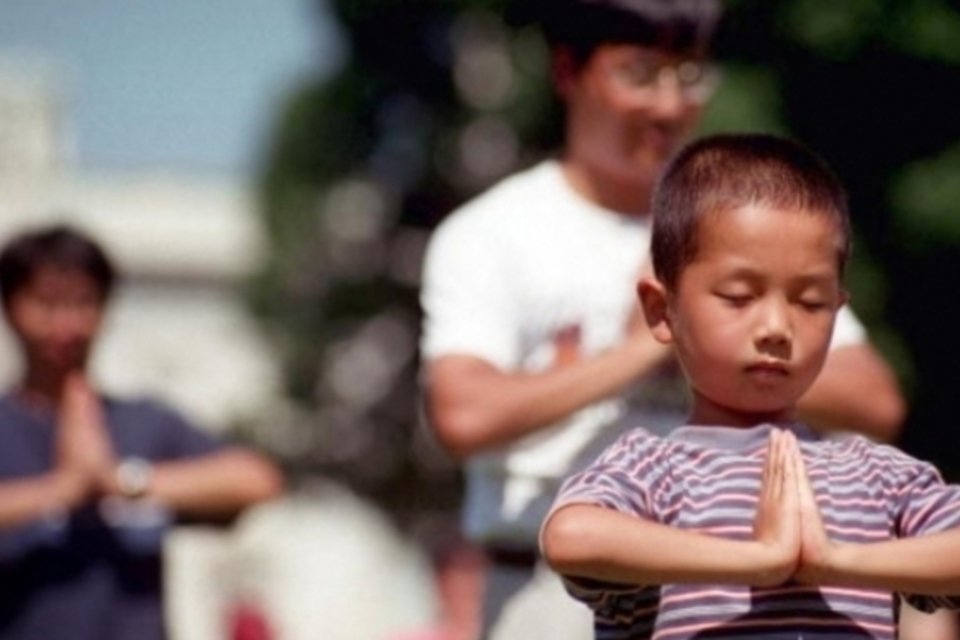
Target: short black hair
[680,26]
[58,246]
[724,172]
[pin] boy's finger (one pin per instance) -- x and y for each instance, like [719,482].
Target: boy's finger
[767,464]
[790,464]
[776,471]
[807,496]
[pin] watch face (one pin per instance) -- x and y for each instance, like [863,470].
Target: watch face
[133,477]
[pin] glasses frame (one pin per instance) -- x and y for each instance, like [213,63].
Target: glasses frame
[654,77]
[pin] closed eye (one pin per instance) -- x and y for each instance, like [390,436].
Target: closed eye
[813,305]
[735,300]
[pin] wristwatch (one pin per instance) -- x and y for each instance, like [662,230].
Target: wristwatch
[133,477]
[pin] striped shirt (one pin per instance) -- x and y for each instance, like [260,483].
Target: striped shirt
[707,479]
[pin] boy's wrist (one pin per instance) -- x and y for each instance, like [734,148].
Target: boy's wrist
[768,566]
[839,561]
[833,567]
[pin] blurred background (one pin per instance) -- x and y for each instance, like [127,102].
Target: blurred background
[266,174]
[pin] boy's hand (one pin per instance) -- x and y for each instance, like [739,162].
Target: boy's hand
[776,526]
[815,547]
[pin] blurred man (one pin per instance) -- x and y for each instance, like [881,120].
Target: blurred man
[530,352]
[89,483]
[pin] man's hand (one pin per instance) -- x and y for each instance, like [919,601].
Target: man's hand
[84,454]
[566,345]
[638,333]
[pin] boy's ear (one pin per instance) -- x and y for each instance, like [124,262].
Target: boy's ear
[653,299]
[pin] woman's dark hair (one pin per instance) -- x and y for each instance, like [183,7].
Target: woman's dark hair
[57,246]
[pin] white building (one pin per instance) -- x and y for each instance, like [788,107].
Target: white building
[178,328]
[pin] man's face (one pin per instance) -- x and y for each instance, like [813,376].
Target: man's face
[752,314]
[631,107]
[56,316]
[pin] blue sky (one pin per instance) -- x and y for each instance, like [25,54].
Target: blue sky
[180,85]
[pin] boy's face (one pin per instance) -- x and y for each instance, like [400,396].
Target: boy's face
[752,314]
[56,316]
[633,106]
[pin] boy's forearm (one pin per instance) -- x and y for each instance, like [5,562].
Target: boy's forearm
[925,565]
[603,544]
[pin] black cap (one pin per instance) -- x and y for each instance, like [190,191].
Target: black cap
[676,25]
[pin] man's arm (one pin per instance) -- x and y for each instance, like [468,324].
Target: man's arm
[214,486]
[27,500]
[473,405]
[856,391]
[475,398]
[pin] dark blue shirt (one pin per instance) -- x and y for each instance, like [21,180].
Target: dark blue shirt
[94,574]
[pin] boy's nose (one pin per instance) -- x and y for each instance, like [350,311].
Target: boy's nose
[774,323]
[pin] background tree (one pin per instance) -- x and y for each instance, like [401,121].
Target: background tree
[437,99]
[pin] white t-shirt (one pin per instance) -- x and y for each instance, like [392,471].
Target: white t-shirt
[503,275]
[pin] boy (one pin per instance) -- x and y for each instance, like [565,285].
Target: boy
[89,483]
[745,523]
[533,346]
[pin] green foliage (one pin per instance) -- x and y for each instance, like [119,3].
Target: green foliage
[929,29]
[925,199]
[748,99]
[442,97]
[833,30]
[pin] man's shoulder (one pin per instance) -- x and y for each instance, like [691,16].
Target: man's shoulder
[142,409]
[529,190]
[15,414]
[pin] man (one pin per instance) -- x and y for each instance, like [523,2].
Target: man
[89,483]
[532,358]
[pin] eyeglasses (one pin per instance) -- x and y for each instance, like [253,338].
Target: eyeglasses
[695,80]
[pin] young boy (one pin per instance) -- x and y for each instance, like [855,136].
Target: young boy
[745,523]
[533,346]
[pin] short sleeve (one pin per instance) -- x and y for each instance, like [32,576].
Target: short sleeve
[151,430]
[622,479]
[847,330]
[614,481]
[185,440]
[927,505]
[466,293]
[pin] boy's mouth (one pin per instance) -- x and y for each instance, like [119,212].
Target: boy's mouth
[769,369]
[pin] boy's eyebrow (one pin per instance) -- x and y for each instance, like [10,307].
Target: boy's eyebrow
[745,272]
